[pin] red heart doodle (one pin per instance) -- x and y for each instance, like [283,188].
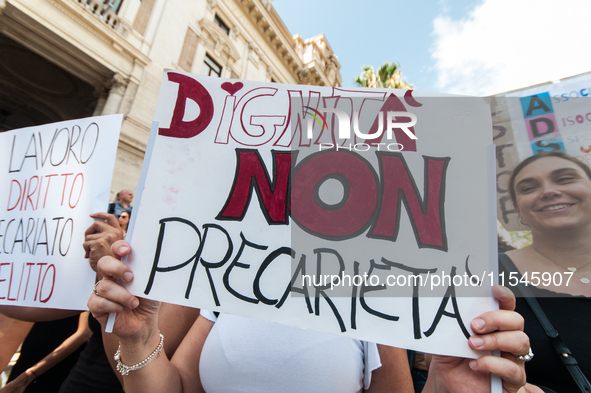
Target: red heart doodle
[232,87]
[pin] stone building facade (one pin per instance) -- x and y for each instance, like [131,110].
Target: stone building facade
[67,59]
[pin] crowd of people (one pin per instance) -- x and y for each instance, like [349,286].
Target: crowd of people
[158,347]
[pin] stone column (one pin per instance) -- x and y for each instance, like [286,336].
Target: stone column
[245,59]
[153,24]
[116,87]
[101,93]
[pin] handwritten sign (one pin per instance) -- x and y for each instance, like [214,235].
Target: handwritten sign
[53,177]
[357,212]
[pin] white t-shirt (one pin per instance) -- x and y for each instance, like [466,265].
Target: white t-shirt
[253,356]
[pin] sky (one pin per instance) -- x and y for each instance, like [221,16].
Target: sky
[473,47]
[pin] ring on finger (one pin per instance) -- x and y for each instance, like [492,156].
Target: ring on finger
[526,358]
[95,286]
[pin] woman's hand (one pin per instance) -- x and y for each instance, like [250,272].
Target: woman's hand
[500,330]
[137,318]
[99,237]
[136,325]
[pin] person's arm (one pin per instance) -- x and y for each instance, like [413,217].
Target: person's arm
[180,375]
[394,374]
[12,334]
[110,344]
[36,314]
[174,321]
[500,330]
[137,328]
[72,343]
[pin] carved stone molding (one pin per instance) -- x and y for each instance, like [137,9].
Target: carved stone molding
[255,55]
[234,33]
[218,47]
[331,63]
[261,13]
[219,41]
[117,84]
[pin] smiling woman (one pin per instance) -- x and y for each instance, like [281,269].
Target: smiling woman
[552,194]
[552,191]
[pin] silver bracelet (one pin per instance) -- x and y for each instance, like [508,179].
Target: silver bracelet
[124,370]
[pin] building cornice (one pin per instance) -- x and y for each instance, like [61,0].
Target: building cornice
[107,46]
[274,32]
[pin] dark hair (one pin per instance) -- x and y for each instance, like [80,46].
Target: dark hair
[128,211]
[536,157]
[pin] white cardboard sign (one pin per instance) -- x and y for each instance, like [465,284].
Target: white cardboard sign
[248,208]
[53,176]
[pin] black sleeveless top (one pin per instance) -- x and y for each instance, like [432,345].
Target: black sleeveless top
[571,317]
[92,373]
[43,338]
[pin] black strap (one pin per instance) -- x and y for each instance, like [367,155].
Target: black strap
[561,350]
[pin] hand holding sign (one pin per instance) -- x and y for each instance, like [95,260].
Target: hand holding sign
[201,239]
[500,330]
[135,316]
[137,321]
[99,237]
[257,234]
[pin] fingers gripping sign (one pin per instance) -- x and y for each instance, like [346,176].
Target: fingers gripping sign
[133,314]
[99,237]
[500,330]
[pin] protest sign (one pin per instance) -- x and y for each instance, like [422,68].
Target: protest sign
[313,207]
[550,117]
[53,177]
